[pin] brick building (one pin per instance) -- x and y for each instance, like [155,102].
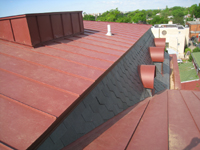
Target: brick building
[194,28]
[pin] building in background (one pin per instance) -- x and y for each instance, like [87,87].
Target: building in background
[194,27]
[177,36]
[65,84]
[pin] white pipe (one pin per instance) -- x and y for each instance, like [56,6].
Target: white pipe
[109,30]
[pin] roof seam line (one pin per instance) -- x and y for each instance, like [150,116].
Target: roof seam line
[90,49]
[189,111]
[124,34]
[103,38]
[71,74]
[42,83]
[7,145]
[137,124]
[96,45]
[59,58]
[125,37]
[79,54]
[101,42]
[25,105]
[196,95]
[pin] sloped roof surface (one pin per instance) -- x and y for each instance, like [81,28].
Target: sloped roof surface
[38,85]
[169,120]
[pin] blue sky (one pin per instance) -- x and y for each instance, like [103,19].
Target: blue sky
[16,7]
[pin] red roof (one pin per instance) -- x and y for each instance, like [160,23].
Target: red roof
[169,120]
[192,85]
[40,84]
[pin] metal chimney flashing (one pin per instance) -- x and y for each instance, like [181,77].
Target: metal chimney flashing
[157,54]
[34,29]
[159,42]
[147,74]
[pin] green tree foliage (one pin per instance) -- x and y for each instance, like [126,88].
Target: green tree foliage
[190,58]
[197,49]
[114,15]
[197,11]
[178,14]
[158,20]
[89,17]
[141,16]
[137,16]
[149,13]
[187,49]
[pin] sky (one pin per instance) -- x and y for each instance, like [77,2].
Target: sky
[17,7]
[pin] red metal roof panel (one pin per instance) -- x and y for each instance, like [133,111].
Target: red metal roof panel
[197,94]
[92,47]
[5,30]
[182,128]
[100,35]
[84,52]
[115,136]
[152,132]
[50,79]
[20,124]
[88,39]
[45,75]
[4,147]
[193,104]
[40,96]
[55,63]
[193,85]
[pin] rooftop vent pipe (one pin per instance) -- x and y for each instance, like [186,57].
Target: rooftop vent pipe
[109,30]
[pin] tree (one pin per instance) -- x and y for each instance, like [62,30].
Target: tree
[149,13]
[178,14]
[197,49]
[197,11]
[158,20]
[137,16]
[88,17]
[111,16]
[192,9]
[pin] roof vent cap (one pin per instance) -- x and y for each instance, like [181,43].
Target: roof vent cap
[109,30]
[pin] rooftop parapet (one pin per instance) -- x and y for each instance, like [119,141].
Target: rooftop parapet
[34,29]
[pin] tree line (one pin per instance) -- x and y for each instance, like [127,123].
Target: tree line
[155,16]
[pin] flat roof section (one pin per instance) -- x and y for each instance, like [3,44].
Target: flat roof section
[42,85]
